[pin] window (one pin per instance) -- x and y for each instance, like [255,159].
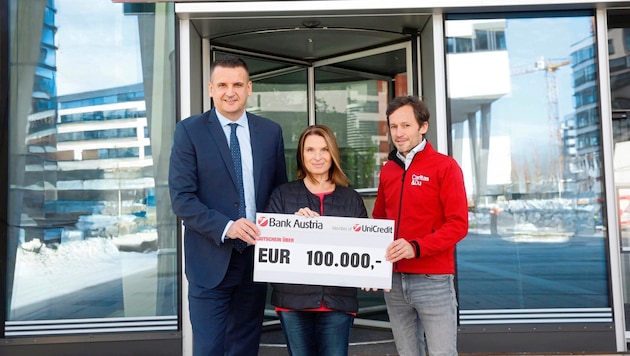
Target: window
[533,179]
[93,234]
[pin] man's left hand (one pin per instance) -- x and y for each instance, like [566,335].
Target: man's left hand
[398,250]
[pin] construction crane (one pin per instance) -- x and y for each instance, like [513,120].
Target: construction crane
[550,68]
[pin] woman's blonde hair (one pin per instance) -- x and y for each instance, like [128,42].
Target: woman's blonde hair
[335,173]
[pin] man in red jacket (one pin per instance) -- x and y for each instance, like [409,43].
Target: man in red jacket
[423,191]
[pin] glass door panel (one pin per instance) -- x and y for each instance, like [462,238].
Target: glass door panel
[351,110]
[351,97]
[283,98]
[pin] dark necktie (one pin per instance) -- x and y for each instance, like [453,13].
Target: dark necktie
[235,148]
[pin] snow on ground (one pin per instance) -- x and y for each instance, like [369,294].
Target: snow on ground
[46,272]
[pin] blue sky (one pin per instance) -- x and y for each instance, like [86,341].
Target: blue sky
[527,39]
[98,46]
[523,114]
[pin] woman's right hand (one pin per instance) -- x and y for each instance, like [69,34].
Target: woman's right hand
[307,212]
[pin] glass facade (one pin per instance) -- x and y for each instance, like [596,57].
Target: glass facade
[92,243]
[525,126]
[92,240]
[619,64]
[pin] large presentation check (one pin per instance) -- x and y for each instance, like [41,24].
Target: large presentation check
[325,250]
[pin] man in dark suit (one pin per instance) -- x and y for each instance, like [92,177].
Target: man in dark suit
[226,307]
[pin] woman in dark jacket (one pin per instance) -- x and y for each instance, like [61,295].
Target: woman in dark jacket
[316,320]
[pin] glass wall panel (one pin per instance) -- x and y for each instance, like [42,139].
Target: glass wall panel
[619,64]
[92,237]
[524,117]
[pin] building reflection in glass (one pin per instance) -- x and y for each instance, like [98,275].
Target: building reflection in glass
[92,236]
[619,65]
[525,129]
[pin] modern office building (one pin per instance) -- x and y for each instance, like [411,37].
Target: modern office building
[530,97]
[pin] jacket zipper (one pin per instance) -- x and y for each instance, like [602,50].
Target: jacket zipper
[400,204]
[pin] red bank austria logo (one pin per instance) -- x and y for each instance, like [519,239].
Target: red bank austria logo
[356,227]
[263,221]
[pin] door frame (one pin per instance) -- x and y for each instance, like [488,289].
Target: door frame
[195,53]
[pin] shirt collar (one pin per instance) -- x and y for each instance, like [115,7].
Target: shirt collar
[411,153]
[242,121]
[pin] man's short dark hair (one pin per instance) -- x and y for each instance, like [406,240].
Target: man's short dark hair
[420,109]
[228,61]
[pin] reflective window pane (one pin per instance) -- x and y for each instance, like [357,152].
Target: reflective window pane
[525,129]
[92,236]
[351,98]
[619,63]
[282,97]
[350,109]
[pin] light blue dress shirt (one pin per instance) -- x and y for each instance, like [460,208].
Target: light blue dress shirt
[247,159]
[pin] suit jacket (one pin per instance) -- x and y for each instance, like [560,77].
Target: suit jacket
[202,184]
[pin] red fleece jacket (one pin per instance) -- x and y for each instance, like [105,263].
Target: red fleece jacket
[429,204]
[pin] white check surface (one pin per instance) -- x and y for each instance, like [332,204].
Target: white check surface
[326,250]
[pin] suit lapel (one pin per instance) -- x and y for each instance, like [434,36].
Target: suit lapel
[255,136]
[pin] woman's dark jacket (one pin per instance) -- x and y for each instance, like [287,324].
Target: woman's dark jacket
[345,202]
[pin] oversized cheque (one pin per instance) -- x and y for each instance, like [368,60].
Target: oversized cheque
[325,250]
